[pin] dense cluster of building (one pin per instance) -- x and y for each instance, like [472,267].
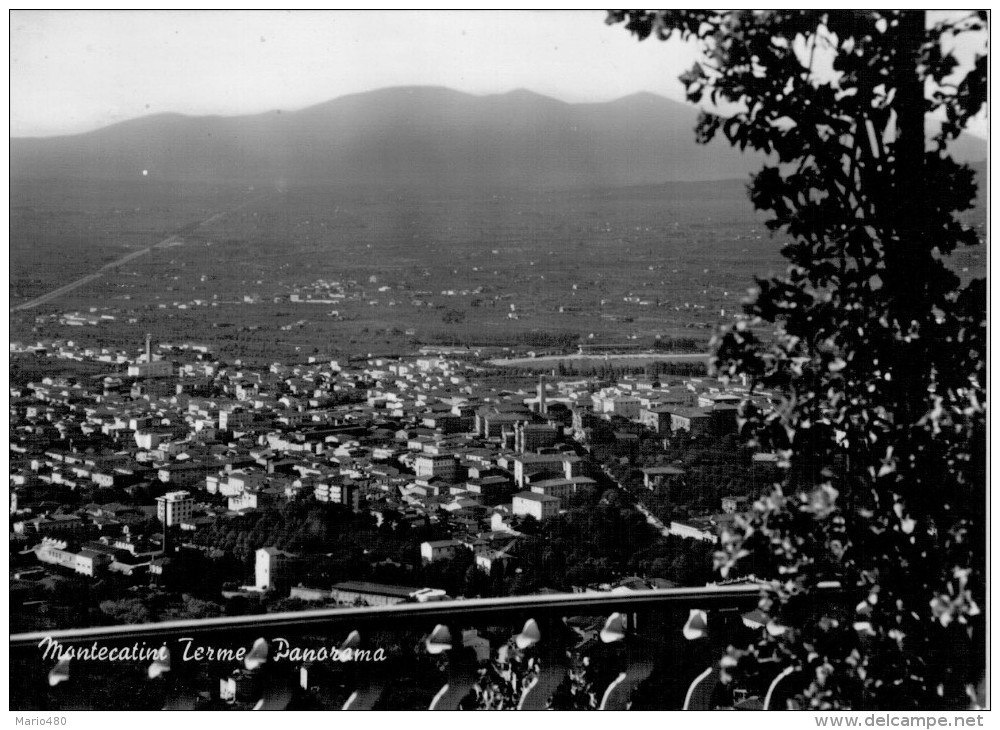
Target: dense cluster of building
[192,440]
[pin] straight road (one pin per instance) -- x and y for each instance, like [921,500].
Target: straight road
[171,240]
[653,521]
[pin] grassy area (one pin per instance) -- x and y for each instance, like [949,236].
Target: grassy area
[488,268]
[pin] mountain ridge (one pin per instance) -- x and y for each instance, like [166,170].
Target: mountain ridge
[419,135]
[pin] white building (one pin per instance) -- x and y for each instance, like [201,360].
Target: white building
[694,529]
[439,550]
[235,420]
[155,369]
[560,488]
[532,436]
[541,466]
[273,568]
[443,466]
[174,507]
[251,499]
[89,563]
[539,506]
[149,440]
[334,490]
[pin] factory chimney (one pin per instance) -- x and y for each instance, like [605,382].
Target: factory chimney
[542,407]
[149,351]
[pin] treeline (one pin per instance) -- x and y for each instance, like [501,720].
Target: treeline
[679,344]
[713,468]
[601,538]
[341,544]
[613,372]
[604,543]
[608,371]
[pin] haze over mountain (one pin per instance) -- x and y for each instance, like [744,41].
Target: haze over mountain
[428,136]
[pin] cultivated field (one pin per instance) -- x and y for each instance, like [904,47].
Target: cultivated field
[385,271]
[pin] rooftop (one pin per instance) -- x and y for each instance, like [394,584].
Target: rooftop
[535,497]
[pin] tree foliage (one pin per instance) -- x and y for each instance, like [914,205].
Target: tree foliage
[879,348]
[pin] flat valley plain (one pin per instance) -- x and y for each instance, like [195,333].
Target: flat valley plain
[385,271]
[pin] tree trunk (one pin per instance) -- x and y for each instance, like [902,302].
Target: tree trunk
[909,105]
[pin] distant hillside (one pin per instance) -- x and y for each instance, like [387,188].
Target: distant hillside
[425,136]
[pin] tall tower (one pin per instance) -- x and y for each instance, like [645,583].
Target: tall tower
[542,407]
[149,350]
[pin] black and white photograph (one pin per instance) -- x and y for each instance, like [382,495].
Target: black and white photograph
[571,360]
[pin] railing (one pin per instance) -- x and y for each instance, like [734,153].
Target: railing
[652,649]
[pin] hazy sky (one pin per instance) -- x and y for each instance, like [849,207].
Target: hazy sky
[72,71]
[78,70]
